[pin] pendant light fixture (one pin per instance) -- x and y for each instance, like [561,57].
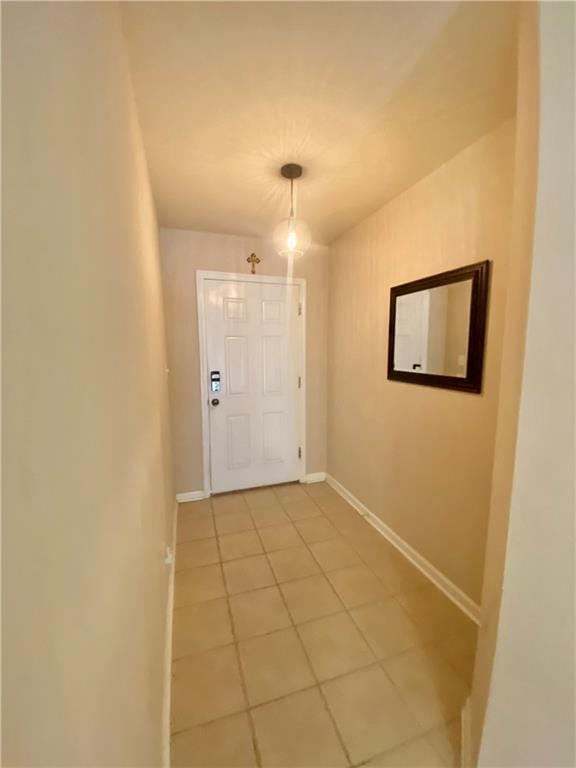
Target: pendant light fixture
[292,236]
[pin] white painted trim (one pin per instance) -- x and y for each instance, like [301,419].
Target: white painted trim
[241,277]
[302,342]
[466,735]
[454,593]
[168,652]
[314,477]
[202,276]
[191,496]
[204,394]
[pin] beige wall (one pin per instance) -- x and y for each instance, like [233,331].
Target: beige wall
[525,666]
[87,493]
[457,324]
[183,253]
[420,457]
[510,383]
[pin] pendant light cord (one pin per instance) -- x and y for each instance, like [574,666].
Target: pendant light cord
[292,198]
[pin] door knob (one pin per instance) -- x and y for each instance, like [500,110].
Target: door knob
[215,401]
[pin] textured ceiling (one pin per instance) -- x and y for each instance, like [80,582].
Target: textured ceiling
[369,97]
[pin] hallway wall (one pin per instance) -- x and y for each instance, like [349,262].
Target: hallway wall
[510,385]
[183,252]
[420,457]
[88,498]
[529,621]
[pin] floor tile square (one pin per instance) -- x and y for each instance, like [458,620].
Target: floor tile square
[274,665]
[197,585]
[459,650]
[361,535]
[232,522]
[193,507]
[369,712]
[256,613]
[191,554]
[398,573]
[194,526]
[204,687]
[345,520]
[387,628]
[228,502]
[225,743]
[236,545]
[294,563]
[301,509]
[334,554]
[260,497]
[297,732]
[331,503]
[272,515]
[315,529]
[431,688]
[280,537]
[432,612]
[357,585]
[417,753]
[334,646]
[201,627]
[310,598]
[247,574]
[446,740]
[290,493]
[319,490]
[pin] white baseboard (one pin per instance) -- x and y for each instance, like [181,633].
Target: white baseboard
[314,477]
[466,726]
[191,496]
[168,652]
[458,597]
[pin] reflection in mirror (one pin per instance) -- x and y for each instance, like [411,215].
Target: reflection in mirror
[437,329]
[432,330]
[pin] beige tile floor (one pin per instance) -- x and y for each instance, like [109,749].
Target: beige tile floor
[303,639]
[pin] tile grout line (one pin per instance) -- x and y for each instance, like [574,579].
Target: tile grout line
[319,682]
[373,665]
[393,596]
[380,580]
[379,662]
[433,642]
[255,745]
[412,739]
[318,686]
[174,608]
[250,716]
[422,734]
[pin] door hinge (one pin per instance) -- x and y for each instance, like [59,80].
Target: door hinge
[299,453]
[299,382]
[299,308]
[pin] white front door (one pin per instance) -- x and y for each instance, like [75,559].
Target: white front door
[411,343]
[253,345]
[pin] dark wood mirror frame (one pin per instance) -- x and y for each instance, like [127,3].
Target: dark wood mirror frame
[472,382]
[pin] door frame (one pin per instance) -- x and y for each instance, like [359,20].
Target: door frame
[202,278]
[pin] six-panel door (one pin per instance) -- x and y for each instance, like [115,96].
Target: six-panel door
[252,343]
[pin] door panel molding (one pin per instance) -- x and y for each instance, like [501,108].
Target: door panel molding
[203,278]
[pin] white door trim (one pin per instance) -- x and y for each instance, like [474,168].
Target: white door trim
[202,277]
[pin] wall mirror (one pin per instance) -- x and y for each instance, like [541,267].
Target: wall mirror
[437,328]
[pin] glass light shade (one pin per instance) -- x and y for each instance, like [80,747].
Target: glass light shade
[292,238]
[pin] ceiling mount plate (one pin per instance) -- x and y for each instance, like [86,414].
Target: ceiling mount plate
[291,171]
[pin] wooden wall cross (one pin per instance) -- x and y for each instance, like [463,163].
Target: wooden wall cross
[253,260]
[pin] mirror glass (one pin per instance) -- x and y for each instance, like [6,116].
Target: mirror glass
[432,330]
